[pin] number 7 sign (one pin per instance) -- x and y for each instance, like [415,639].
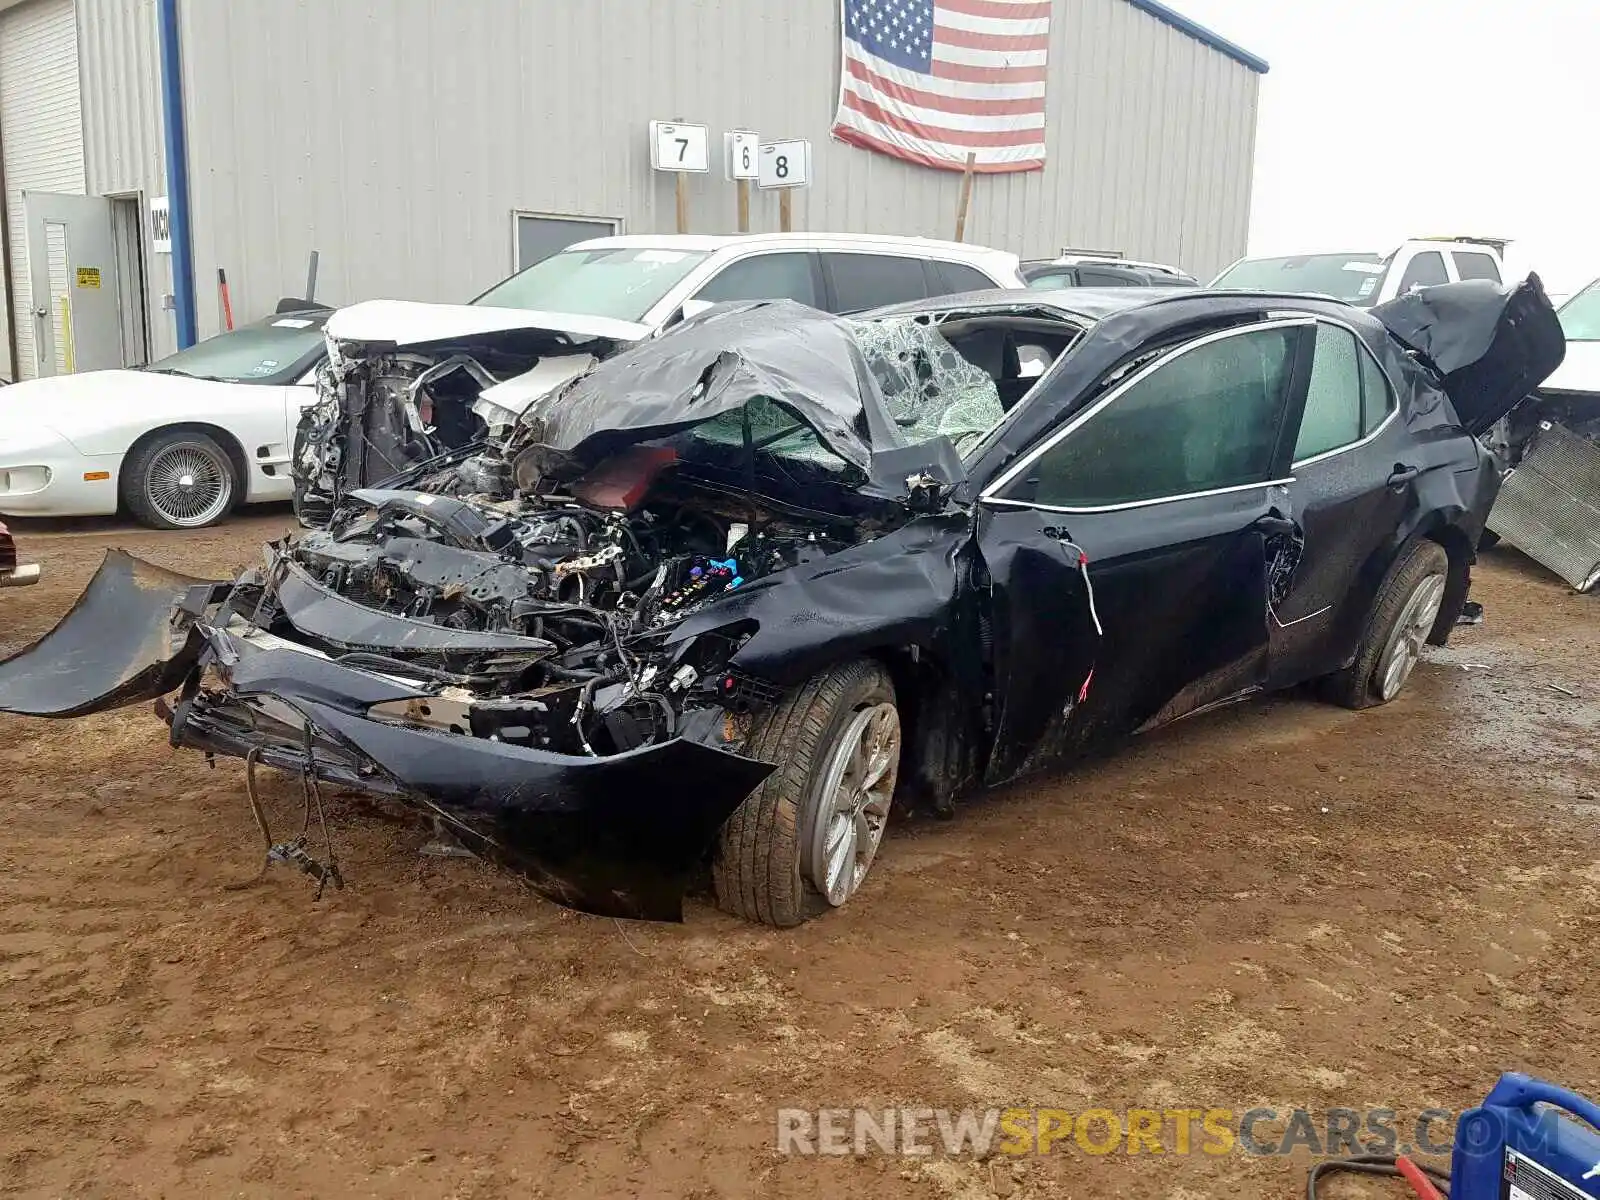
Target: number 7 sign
[675,146]
[784,164]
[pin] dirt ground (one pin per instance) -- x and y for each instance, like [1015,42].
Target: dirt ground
[1280,904]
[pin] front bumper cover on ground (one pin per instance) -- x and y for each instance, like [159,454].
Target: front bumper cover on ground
[620,835]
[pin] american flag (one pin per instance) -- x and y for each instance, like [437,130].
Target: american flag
[932,81]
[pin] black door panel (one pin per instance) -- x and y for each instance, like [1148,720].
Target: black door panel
[1179,590]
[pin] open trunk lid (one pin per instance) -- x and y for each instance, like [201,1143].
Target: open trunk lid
[1491,345]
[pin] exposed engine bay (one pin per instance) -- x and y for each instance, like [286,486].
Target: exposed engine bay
[382,409]
[580,594]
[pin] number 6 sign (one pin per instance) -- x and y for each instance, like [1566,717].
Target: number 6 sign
[784,164]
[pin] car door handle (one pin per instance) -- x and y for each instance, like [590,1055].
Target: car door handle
[1273,523]
[1403,475]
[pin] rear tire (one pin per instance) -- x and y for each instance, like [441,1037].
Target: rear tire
[1401,619]
[179,479]
[836,740]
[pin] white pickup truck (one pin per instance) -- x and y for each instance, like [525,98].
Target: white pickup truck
[1364,278]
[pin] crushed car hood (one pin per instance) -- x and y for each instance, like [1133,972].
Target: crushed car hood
[411,323]
[1492,345]
[811,364]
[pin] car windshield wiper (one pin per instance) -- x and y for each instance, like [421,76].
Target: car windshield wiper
[190,375]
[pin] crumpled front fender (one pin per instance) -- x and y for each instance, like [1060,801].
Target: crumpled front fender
[118,644]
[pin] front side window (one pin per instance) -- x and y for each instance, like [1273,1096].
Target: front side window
[1425,270]
[863,281]
[1206,417]
[622,283]
[765,277]
[1333,402]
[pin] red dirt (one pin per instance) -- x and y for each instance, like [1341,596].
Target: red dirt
[1280,904]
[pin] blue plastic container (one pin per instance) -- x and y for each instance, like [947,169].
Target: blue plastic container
[1520,1145]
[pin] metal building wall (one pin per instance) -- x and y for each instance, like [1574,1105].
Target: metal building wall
[120,69]
[397,136]
[40,136]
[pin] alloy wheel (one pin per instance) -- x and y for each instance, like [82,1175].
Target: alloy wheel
[1404,648]
[853,811]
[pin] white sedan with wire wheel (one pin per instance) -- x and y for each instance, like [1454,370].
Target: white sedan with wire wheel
[178,444]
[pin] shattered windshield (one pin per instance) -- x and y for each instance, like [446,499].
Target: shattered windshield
[812,386]
[616,282]
[1353,278]
[929,389]
[1580,316]
[926,387]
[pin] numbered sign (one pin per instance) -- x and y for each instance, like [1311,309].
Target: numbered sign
[678,147]
[784,164]
[743,149]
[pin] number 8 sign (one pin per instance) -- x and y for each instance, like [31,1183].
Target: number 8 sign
[784,164]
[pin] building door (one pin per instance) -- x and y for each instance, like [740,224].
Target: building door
[77,323]
[539,236]
[41,137]
[127,235]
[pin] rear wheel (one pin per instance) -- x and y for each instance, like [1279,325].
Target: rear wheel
[1402,617]
[804,841]
[179,479]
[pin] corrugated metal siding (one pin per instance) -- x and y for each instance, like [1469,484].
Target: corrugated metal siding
[41,132]
[119,51]
[397,136]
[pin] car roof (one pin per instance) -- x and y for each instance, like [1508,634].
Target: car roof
[714,243]
[1093,305]
[1087,304]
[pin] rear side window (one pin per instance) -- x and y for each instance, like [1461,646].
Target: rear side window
[1062,279]
[862,281]
[1333,403]
[1471,265]
[765,277]
[1207,418]
[1096,277]
[1424,270]
[958,277]
[1377,397]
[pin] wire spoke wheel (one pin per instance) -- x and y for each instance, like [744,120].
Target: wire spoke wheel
[189,484]
[853,810]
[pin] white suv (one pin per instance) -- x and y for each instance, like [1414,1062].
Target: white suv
[647,278]
[1364,279]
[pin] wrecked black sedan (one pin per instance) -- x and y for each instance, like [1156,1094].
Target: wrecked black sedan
[729,596]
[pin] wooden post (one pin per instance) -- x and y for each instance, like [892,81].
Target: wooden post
[683,202]
[786,210]
[966,198]
[742,186]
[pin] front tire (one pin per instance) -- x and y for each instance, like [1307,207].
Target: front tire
[1402,617]
[179,479]
[804,841]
